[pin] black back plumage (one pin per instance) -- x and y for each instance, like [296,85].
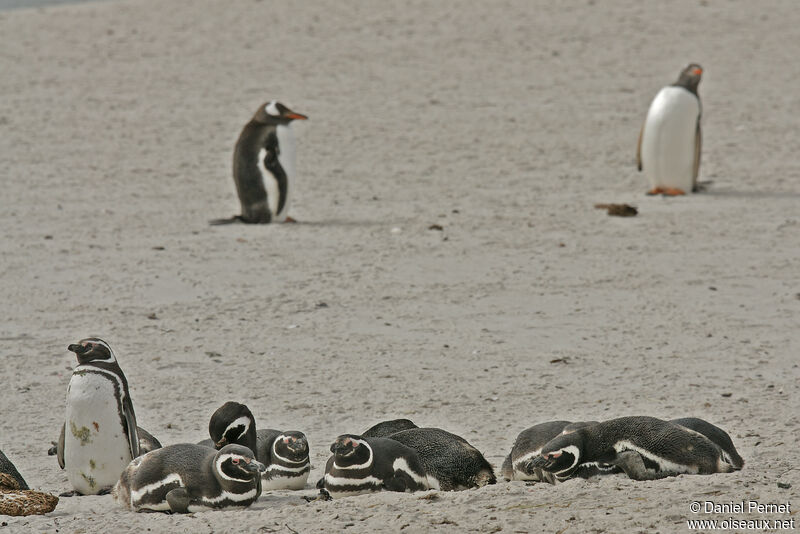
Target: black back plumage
[387,428]
[715,434]
[447,457]
[8,468]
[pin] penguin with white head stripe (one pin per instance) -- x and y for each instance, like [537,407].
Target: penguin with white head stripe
[670,141]
[363,465]
[264,165]
[99,437]
[285,453]
[645,448]
[186,478]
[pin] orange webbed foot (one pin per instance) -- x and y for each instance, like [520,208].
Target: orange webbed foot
[666,191]
[290,220]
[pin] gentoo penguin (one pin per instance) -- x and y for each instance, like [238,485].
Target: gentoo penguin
[8,468]
[264,165]
[447,458]
[670,140]
[387,428]
[190,478]
[102,437]
[362,465]
[645,448]
[15,500]
[285,454]
[519,465]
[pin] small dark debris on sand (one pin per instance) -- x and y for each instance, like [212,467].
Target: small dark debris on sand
[618,210]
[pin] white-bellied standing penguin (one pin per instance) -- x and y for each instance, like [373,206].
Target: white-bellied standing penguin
[187,478]
[670,141]
[362,465]
[101,435]
[264,165]
[645,448]
[284,453]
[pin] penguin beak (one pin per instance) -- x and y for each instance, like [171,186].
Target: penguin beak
[77,348]
[697,72]
[296,116]
[221,443]
[255,466]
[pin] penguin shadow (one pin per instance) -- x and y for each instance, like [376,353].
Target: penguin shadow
[752,195]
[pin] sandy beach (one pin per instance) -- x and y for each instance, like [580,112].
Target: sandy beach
[502,122]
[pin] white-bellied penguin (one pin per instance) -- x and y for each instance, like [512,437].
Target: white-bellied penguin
[670,141]
[264,165]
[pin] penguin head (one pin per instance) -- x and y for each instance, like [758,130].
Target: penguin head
[562,454]
[236,463]
[349,450]
[690,77]
[233,422]
[92,349]
[273,112]
[291,446]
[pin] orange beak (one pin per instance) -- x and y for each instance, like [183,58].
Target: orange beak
[296,116]
[697,72]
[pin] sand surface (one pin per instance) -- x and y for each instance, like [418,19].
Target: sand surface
[501,121]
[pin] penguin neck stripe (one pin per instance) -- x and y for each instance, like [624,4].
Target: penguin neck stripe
[218,467]
[664,465]
[227,495]
[283,458]
[240,421]
[400,464]
[138,495]
[365,465]
[576,454]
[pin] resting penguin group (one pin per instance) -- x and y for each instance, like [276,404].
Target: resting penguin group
[644,448]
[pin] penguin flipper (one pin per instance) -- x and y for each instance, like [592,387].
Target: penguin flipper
[400,482]
[130,423]
[698,146]
[632,463]
[178,500]
[147,441]
[60,447]
[639,149]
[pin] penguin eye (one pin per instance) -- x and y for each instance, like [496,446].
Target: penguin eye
[235,461]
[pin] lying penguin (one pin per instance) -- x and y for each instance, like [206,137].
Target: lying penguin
[363,465]
[645,448]
[188,478]
[284,453]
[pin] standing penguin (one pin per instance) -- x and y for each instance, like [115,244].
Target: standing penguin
[101,437]
[670,140]
[264,165]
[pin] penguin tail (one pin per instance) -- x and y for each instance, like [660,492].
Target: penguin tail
[229,220]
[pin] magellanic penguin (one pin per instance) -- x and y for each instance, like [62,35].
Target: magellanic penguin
[264,165]
[8,468]
[101,436]
[645,448]
[448,458]
[285,454]
[715,434]
[187,478]
[670,141]
[520,465]
[387,428]
[363,465]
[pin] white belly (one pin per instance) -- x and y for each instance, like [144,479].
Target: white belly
[668,139]
[287,145]
[96,449]
[284,482]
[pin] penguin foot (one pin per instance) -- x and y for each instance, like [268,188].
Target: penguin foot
[290,220]
[322,496]
[52,451]
[105,491]
[73,493]
[666,191]
[632,464]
